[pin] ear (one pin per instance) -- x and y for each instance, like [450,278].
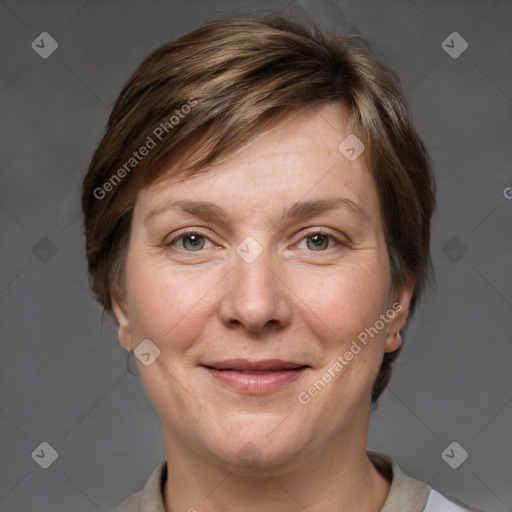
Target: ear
[123,324]
[401,301]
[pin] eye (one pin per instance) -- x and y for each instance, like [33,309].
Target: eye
[318,241]
[191,241]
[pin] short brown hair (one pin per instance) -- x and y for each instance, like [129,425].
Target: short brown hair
[213,90]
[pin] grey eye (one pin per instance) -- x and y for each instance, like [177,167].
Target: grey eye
[319,242]
[196,242]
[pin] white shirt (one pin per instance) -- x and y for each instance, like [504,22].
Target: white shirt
[438,503]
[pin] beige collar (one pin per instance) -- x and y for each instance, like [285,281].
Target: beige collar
[406,494]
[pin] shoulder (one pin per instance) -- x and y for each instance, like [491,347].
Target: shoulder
[410,495]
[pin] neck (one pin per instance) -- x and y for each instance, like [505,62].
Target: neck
[340,478]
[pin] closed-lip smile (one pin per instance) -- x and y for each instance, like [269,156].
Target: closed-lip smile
[255,377]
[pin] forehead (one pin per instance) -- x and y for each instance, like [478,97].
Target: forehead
[300,159]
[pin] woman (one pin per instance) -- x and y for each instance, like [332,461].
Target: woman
[258,221]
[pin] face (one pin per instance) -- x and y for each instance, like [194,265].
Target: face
[264,288]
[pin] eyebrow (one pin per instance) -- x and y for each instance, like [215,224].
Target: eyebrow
[202,209]
[303,209]
[300,209]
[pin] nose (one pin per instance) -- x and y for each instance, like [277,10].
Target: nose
[255,297]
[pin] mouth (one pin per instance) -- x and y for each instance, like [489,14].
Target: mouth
[255,377]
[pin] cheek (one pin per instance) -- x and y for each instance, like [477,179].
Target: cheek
[345,300]
[165,304]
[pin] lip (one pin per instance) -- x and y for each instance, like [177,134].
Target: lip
[255,377]
[244,365]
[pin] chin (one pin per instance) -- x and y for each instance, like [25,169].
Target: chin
[260,443]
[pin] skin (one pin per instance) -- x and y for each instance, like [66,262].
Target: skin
[229,450]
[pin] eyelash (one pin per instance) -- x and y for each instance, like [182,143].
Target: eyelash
[184,234]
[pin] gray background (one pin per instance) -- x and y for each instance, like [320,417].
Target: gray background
[63,375]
